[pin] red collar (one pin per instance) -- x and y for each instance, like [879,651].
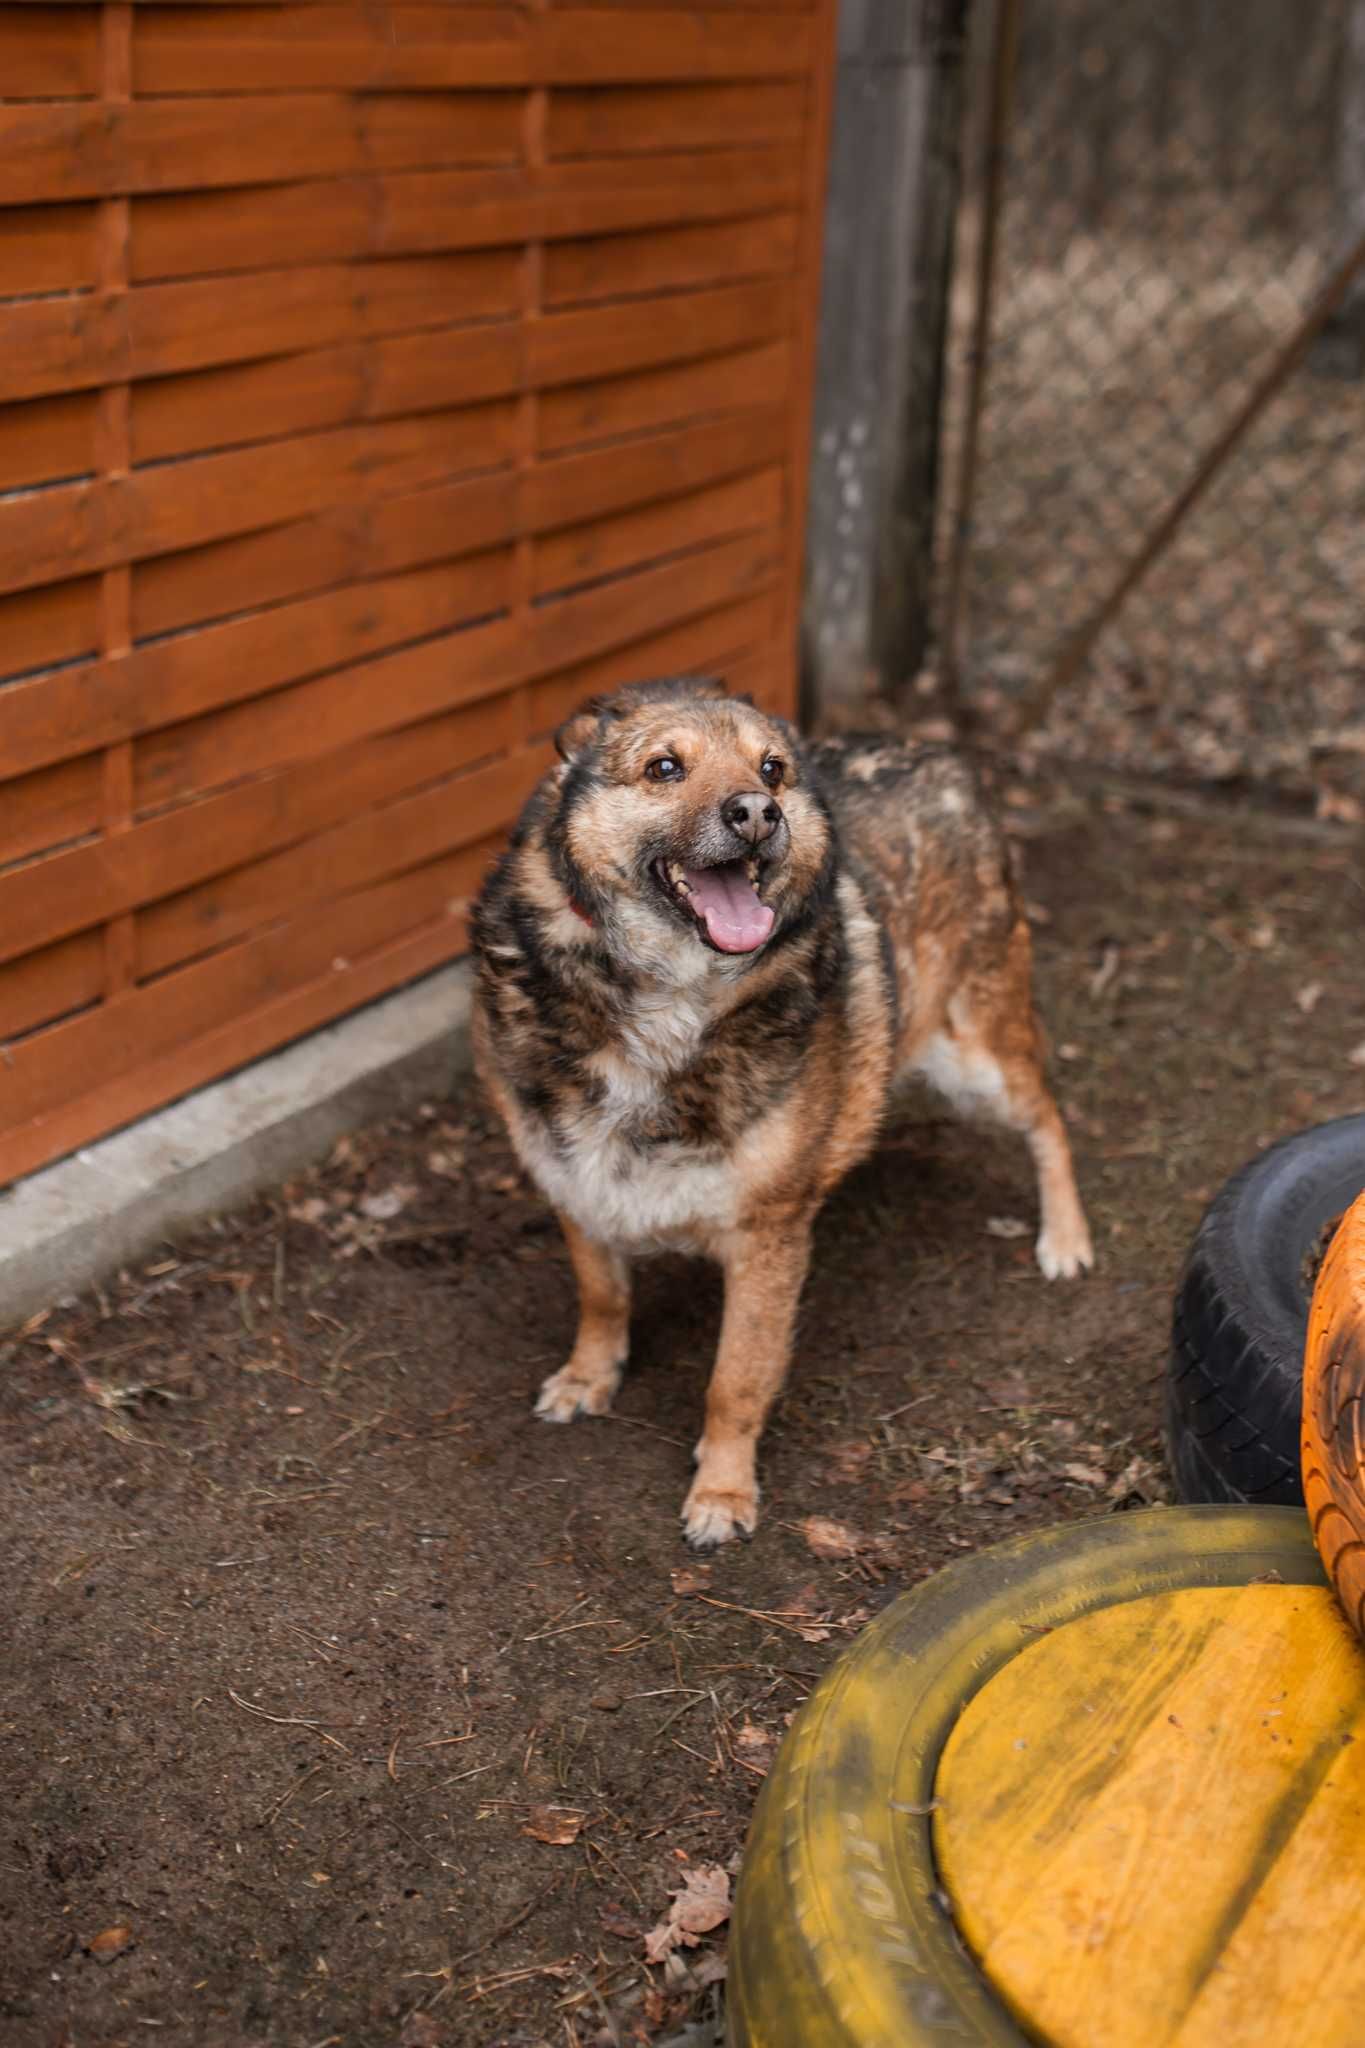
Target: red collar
[579,911]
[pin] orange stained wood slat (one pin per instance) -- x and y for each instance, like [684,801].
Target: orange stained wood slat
[374,385]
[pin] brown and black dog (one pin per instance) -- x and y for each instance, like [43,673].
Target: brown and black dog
[705,958]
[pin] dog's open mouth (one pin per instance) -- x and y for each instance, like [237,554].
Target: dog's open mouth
[724,901]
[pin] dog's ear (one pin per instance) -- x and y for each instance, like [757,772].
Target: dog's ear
[577,733]
[582,729]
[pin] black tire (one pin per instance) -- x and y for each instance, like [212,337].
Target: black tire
[1235,1390]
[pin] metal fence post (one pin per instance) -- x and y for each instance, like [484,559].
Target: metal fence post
[888,242]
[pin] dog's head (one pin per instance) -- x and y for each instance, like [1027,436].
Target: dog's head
[684,818]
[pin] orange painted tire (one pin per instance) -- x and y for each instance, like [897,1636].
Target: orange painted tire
[1334,1413]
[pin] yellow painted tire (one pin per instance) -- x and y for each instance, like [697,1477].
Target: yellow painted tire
[841,1938]
[1334,1413]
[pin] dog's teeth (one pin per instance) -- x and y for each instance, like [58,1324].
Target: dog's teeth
[752,872]
[678,878]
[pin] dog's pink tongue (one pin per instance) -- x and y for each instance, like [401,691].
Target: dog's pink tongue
[735,919]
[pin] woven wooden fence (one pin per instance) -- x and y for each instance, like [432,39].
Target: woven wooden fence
[375,381]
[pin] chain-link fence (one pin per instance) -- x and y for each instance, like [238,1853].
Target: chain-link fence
[1176,182]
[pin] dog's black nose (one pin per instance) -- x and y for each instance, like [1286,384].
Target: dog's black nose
[752,815]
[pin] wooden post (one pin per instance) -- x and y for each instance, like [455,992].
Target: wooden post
[888,241]
[1341,350]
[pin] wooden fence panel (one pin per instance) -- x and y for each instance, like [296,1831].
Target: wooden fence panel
[374,386]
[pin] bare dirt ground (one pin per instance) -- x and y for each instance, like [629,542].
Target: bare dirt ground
[346,1706]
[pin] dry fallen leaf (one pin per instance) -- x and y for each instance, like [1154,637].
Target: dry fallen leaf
[705,1899]
[830,1539]
[555,1824]
[112,1942]
[1086,1475]
[687,1579]
[702,1905]
[1308,997]
[615,1920]
[801,1609]
[1006,1226]
[655,2006]
[1139,1476]
[393,1201]
[755,1745]
[849,1459]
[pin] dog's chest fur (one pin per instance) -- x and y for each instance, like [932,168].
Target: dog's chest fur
[619,1163]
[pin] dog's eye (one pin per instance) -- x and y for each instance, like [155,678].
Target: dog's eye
[771,771]
[667,768]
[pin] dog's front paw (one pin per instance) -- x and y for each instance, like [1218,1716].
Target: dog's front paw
[713,1515]
[568,1393]
[1064,1254]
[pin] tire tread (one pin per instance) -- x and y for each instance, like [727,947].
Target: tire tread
[1235,1374]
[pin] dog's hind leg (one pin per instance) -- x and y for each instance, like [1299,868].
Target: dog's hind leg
[588,1383]
[988,1061]
[1064,1249]
[764,1272]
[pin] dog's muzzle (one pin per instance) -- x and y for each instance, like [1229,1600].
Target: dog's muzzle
[751,816]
